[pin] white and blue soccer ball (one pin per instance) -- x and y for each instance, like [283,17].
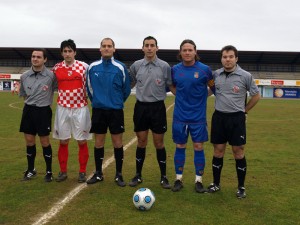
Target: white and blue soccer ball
[143,199]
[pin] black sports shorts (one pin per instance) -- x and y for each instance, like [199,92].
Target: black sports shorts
[103,119]
[150,115]
[36,120]
[228,127]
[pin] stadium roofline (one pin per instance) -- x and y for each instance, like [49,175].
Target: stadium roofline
[169,55]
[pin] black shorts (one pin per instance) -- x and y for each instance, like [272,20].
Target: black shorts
[36,120]
[228,127]
[150,115]
[103,119]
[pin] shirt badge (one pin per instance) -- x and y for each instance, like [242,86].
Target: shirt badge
[70,73]
[235,89]
[45,88]
[196,75]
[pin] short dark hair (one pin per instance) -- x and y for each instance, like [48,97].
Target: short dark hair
[149,38]
[41,50]
[229,48]
[189,42]
[68,43]
[112,41]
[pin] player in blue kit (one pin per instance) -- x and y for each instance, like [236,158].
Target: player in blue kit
[190,79]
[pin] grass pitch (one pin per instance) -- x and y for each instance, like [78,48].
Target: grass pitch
[272,182]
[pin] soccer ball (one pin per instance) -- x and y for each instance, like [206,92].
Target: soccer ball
[143,199]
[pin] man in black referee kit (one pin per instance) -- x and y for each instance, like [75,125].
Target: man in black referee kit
[37,88]
[228,123]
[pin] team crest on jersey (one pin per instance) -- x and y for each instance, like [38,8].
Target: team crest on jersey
[70,73]
[235,89]
[196,75]
[158,81]
[45,88]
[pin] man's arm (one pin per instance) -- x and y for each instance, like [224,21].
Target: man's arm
[132,75]
[127,84]
[252,102]
[88,85]
[172,89]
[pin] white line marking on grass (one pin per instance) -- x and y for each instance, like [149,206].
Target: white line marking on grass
[15,107]
[170,106]
[58,206]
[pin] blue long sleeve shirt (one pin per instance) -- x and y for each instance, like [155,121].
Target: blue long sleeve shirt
[108,84]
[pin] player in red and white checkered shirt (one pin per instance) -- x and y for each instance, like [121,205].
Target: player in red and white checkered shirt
[72,113]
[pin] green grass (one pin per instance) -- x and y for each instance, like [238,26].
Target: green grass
[272,181]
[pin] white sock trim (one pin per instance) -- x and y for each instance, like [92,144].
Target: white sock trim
[178,176]
[198,179]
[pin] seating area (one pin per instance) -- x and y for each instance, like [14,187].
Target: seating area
[256,75]
[13,70]
[276,75]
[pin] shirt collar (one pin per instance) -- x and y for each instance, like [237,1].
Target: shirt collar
[147,62]
[107,60]
[235,72]
[65,65]
[42,72]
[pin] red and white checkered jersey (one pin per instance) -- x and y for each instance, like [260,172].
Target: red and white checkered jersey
[71,84]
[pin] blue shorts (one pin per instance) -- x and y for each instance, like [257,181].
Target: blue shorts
[181,131]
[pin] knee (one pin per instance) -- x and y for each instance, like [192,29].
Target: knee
[118,144]
[219,153]
[238,152]
[180,145]
[45,142]
[142,143]
[198,146]
[64,142]
[81,142]
[238,155]
[158,143]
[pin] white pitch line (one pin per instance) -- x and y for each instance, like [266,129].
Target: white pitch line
[15,107]
[58,206]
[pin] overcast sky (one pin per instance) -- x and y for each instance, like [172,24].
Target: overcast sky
[258,25]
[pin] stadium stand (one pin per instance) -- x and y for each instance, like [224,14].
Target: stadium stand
[263,64]
[276,75]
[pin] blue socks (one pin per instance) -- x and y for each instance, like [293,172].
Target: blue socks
[179,160]
[199,162]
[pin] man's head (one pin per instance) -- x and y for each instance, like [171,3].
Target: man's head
[68,51]
[38,58]
[150,47]
[107,48]
[229,57]
[188,52]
